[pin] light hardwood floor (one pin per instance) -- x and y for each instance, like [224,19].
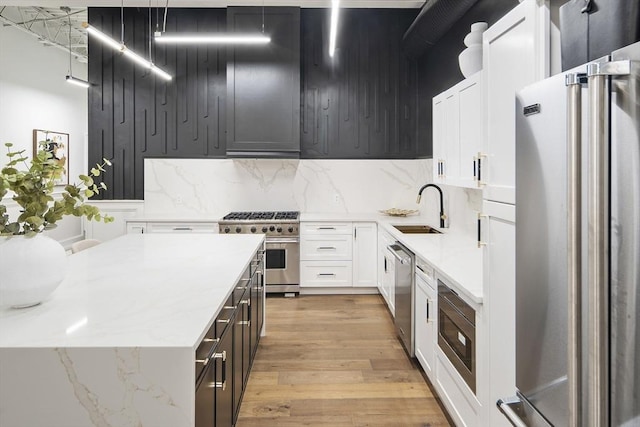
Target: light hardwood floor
[334,361]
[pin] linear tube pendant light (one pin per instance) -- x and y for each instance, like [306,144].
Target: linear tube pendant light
[126,51]
[78,82]
[211,38]
[69,77]
[333,29]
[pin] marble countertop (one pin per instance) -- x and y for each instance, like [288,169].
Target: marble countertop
[455,256]
[161,218]
[139,290]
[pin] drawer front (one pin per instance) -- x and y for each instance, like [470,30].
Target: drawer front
[325,274]
[326,248]
[326,228]
[181,227]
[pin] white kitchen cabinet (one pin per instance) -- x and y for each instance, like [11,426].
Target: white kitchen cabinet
[426,329]
[333,274]
[498,239]
[120,210]
[143,227]
[457,132]
[338,255]
[386,270]
[515,54]
[136,227]
[364,254]
[318,247]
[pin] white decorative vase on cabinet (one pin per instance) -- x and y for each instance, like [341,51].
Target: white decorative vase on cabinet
[31,268]
[470,59]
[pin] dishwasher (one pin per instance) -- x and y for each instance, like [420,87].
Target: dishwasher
[404,262]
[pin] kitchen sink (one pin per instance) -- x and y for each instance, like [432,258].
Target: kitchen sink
[416,229]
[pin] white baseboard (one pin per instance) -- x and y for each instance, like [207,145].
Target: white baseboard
[339,291]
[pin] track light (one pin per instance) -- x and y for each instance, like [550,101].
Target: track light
[211,38]
[77,82]
[333,32]
[119,46]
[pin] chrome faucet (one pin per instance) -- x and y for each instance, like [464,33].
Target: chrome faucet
[443,217]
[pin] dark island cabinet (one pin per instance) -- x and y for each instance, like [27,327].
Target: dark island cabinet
[263,84]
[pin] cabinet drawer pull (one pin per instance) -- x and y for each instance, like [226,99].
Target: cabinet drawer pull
[210,340]
[222,384]
[326,228]
[327,274]
[246,302]
[224,320]
[203,361]
[245,322]
[327,248]
[182,229]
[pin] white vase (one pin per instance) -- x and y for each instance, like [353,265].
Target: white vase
[470,59]
[31,268]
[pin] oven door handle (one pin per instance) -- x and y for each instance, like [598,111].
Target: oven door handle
[278,241]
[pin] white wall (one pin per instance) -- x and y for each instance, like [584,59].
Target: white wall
[34,95]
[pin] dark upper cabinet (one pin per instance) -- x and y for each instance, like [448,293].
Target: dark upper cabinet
[362,103]
[263,84]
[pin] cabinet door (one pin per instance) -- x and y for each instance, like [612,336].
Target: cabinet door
[263,84]
[224,379]
[470,128]
[515,54]
[438,137]
[390,282]
[425,326]
[136,227]
[364,254]
[498,234]
[451,150]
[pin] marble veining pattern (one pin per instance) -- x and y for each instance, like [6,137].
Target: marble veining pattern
[210,188]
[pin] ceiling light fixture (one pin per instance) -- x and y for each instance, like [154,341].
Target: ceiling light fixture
[211,38]
[333,31]
[70,78]
[120,46]
[77,82]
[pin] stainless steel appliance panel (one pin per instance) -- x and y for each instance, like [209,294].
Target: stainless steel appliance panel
[541,245]
[404,261]
[457,333]
[282,265]
[625,244]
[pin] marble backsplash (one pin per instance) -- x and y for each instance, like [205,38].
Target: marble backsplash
[197,188]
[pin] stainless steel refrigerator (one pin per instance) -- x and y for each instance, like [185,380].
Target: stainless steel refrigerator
[578,247]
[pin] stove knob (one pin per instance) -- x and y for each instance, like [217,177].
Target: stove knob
[264,229]
[227,229]
[279,229]
[272,228]
[290,229]
[238,229]
[253,229]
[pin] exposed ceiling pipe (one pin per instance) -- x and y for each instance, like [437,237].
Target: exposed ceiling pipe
[435,18]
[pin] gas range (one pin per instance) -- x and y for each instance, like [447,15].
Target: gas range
[272,224]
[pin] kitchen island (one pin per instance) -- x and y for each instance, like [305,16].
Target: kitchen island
[115,344]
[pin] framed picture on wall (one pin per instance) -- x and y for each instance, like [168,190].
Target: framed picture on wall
[57,143]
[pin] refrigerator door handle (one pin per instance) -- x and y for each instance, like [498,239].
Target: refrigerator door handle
[574,244]
[506,407]
[598,238]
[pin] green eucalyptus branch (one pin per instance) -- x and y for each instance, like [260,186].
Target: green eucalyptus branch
[33,188]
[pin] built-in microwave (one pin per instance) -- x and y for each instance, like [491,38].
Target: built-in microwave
[457,333]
